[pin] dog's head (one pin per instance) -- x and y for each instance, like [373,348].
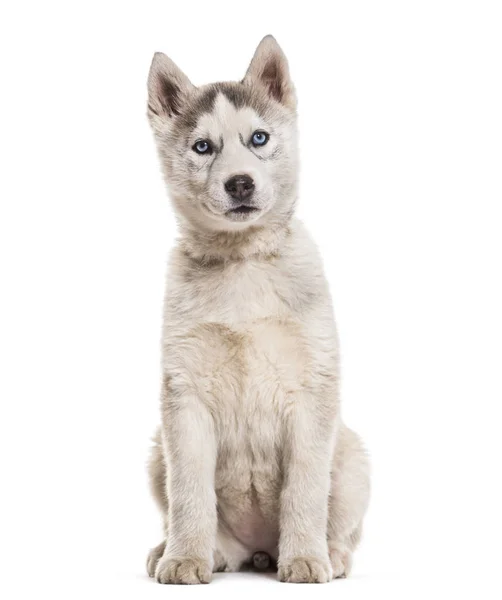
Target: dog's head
[228,150]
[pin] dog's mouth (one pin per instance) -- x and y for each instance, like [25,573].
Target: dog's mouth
[242,211]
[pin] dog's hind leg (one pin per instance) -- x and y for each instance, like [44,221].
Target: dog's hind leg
[230,553]
[154,556]
[157,476]
[348,500]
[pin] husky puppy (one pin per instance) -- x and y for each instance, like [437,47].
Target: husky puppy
[252,460]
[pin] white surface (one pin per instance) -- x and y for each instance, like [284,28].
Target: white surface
[404,98]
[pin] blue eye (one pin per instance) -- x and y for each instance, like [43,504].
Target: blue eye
[202,147]
[260,138]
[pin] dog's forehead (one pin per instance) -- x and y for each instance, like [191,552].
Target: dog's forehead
[223,100]
[227,118]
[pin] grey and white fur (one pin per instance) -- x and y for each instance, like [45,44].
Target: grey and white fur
[252,460]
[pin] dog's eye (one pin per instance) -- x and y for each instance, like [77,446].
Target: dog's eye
[202,147]
[260,138]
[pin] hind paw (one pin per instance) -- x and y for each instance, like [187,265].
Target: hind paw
[341,562]
[154,556]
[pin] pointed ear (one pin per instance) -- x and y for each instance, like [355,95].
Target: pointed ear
[168,87]
[269,68]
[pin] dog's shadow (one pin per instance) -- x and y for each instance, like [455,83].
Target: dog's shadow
[269,574]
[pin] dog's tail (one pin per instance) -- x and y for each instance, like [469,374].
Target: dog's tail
[261,561]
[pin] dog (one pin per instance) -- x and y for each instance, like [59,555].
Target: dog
[252,463]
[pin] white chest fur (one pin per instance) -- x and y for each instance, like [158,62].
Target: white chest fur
[233,294]
[228,324]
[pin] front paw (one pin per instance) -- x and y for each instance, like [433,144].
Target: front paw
[305,569]
[182,570]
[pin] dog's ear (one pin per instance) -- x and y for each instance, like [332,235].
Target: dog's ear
[269,68]
[168,87]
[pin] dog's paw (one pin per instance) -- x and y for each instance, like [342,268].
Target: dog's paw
[154,556]
[305,569]
[341,562]
[182,570]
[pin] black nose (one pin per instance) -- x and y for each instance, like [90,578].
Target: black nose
[240,187]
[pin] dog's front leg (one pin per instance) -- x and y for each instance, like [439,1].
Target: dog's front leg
[307,452]
[189,440]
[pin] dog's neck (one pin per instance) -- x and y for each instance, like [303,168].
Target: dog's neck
[222,246]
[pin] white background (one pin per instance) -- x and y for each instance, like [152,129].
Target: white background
[405,100]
